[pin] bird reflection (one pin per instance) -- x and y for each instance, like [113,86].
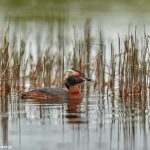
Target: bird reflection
[73,111]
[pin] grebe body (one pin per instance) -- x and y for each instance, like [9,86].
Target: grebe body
[72,91]
[46,93]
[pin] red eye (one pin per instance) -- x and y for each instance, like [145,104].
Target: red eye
[80,75]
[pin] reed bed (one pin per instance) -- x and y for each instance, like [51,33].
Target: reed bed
[126,74]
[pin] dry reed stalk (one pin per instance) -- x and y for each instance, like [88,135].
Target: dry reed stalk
[129,69]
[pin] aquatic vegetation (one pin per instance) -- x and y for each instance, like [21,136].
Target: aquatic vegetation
[126,74]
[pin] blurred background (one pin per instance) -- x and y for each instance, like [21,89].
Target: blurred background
[115,11]
[110,16]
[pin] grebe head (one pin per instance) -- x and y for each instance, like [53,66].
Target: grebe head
[76,77]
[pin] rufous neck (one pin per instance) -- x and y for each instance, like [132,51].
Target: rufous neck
[74,90]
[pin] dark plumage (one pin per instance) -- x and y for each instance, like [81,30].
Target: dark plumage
[47,93]
[59,93]
[72,81]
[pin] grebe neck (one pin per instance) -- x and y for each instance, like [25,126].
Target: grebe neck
[74,90]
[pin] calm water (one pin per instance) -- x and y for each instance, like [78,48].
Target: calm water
[98,122]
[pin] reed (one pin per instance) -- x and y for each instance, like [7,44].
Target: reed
[4,65]
[127,71]
[101,65]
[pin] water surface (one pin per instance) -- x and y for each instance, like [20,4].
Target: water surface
[97,122]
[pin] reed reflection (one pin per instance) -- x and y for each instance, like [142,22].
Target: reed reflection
[4,122]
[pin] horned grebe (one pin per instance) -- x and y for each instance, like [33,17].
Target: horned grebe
[74,78]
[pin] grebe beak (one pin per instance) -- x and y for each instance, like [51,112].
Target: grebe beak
[85,78]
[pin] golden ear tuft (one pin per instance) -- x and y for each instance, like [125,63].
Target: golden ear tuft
[73,72]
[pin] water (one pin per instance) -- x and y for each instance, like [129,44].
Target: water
[96,122]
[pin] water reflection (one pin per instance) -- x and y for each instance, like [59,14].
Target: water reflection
[4,129]
[97,122]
